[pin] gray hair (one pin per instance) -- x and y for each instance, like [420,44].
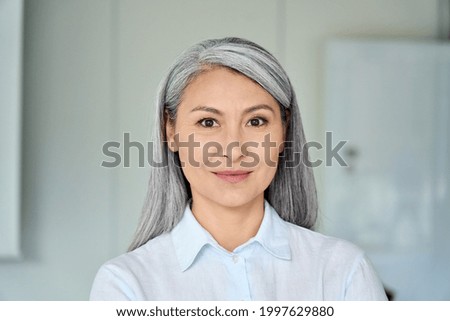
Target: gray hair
[292,192]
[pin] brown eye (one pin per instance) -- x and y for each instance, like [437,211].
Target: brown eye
[207,122]
[256,122]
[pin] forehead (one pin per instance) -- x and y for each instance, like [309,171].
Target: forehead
[224,87]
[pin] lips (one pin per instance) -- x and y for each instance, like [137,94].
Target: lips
[233,176]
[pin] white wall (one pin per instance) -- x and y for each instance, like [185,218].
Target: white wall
[66,196]
[311,23]
[90,74]
[11,22]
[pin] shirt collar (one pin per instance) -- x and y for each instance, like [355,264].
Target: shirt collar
[273,234]
[189,237]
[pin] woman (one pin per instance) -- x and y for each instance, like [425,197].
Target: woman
[228,214]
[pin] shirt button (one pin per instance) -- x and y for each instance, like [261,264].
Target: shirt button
[235,259]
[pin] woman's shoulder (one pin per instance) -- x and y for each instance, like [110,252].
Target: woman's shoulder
[151,256]
[122,277]
[339,262]
[318,242]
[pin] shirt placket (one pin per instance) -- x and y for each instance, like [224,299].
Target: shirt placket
[239,283]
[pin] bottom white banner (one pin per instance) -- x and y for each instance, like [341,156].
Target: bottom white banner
[256,310]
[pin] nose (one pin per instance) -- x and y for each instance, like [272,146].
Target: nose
[232,144]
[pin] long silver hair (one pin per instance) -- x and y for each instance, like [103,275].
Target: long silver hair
[292,193]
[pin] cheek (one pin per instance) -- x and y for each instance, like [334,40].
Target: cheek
[193,151]
[270,147]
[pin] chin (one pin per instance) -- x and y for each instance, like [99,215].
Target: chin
[234,199]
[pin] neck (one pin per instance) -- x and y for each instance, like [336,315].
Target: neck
[230,226]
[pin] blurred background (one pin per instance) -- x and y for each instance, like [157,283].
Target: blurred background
[76,74]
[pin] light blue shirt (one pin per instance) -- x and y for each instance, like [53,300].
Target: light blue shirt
[282,262]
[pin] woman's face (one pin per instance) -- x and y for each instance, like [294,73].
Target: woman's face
[229,134]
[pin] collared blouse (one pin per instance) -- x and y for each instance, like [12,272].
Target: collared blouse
[281,262]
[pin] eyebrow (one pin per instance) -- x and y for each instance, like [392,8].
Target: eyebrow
[246,111]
